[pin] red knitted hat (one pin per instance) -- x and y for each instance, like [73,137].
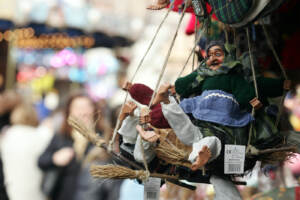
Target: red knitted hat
[157,118]
[141,93]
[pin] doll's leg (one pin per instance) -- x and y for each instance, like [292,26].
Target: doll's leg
[149,136]
[205,150]
[224,189]
[159,5]
[184,129]
[202,158]
[148,147]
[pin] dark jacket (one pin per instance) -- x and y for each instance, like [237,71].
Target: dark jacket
[68,175]
[97,188]
[3,194]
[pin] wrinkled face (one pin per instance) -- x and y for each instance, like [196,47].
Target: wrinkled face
[215,57]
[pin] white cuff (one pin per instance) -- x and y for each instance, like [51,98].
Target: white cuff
[184,129]
[128,129]
[212,142]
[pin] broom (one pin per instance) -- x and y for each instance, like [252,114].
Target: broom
[171,154]
[121,172]
[91,135]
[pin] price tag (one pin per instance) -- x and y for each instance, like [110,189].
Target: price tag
[152,188]
[234,159]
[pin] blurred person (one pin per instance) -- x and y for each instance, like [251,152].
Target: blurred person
[97,189]
[68,149]
[3,193]
[8,100]
[21,145]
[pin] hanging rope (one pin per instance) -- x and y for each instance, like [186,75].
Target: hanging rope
[282,70]
[195,40]
[159,79]
[273,50]
[144,159]
[255,87]
[111,142]
[168,55]
[193,50]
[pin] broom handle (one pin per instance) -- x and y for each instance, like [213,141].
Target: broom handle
[121,157]
[163,176]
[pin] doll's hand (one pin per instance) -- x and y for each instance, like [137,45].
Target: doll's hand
[144,116]
[163,94]
[127,85]
[128,109]
[159,5]
[63,156]
[149,136]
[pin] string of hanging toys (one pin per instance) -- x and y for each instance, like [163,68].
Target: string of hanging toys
[213,124]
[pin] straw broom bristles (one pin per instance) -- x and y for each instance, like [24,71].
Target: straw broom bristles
[121,172]
[273,156]
[91,135]
[171,154]
[116,171]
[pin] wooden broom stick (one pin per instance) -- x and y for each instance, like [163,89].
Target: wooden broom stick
[121,172]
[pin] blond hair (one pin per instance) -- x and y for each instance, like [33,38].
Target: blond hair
[24,114]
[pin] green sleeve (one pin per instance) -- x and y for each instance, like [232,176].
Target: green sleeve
[270,87]
[245,91]
[242,90]
[183,85]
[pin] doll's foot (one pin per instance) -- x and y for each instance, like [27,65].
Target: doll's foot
[160,5]
[203,157]
[128,109]
[162,94]
[149,136]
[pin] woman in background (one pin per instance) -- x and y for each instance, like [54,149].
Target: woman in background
[68,148]
[21,145]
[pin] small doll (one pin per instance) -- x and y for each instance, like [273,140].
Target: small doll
[160,4]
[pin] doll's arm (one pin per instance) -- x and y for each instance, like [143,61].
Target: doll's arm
[128,127]
[186,132]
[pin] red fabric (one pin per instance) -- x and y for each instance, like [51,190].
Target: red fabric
[190,28]
[141,93]
[290,52]
[297,193]
[157,118]
[287,6]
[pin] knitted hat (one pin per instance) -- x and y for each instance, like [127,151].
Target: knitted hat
[212,43]
[157,118]
[216,106]
[142,94]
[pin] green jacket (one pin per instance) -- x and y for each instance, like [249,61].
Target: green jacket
[232,83]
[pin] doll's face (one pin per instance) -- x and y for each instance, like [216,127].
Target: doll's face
[215,57]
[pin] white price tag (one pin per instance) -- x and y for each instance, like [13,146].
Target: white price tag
[152,188]
[234,158]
